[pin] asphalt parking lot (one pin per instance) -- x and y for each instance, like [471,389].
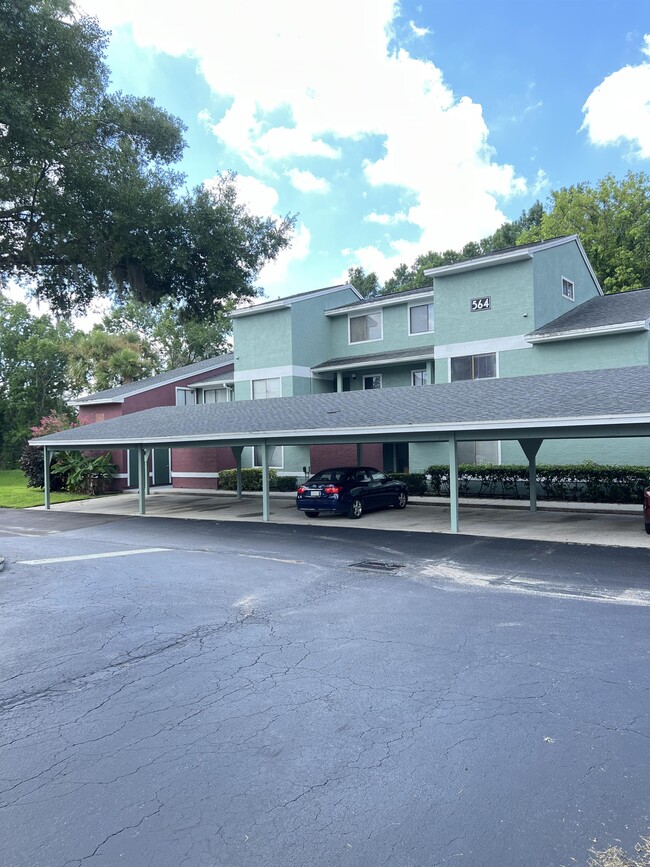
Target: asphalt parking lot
[230,693]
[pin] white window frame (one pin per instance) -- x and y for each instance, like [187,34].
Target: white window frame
[186,391]
[474,355]
[265,380]
[424,373]
[429,330]
[279,466]
[212,388]
[352,316]
[371,376]
[572,295]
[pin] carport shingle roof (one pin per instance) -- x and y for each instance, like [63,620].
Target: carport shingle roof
[610,395]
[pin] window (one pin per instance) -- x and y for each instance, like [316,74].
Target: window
[263,388]
[366,327]
[474,367]
[373,381]
[421,318]
[419,377]
[478,452]
[216,395]
[276,457]
[568,289]
[185,397]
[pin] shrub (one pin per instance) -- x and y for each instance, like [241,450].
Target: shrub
[587,482]
[251,480]
[84,474]
[415,482]
[285,483]
[31,459]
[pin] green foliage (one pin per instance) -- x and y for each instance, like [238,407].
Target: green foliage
[31,459]
[366,284]
[33,374]
[612,219]
[89,201]
[174,338]
[251,480]
[84,474]
[15,494]
[587,482]
[99,359]
[415,482]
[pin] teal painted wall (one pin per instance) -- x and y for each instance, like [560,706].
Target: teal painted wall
[588,353]
[311,330]
[549,266]
[396,376]
[510,288]
[263,340]
[395,333]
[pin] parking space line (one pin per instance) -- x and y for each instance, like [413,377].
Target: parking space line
[275,559]
[92,556]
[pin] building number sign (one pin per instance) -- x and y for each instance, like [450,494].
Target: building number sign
[480,304]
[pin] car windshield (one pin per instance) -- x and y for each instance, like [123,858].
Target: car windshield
[328,476]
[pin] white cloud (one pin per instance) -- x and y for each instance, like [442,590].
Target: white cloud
[418,31]
[273,277]
[386,219]
[618,110]
[277,59]
[259,198]
[307,182]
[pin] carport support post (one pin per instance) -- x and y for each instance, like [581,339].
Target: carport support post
[147,453]
[453,482]
[359,454]
[339,381]
[237,452]
[47,460]
[142,479]
[530,449]
[265,481]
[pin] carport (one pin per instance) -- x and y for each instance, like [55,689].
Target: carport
[609,403]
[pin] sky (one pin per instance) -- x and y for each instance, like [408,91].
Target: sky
[390,128]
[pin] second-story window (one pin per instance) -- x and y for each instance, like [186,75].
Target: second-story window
[373,381]
[263,388]
[185,397]
[568,289]
[474,367]
[216,395]
[421,318]
[366,327]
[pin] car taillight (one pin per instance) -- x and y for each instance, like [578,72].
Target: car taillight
[332,489]
[302,489]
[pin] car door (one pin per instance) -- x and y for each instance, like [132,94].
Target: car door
[382,493]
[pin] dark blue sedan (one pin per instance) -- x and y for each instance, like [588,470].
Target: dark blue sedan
[351,491]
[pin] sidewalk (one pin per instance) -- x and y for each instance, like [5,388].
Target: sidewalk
[581,523]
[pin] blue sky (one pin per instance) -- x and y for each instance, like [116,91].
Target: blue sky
[390,128]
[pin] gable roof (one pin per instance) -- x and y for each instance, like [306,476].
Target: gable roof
[608,402]
[117,394]
[280,303]
[604,314]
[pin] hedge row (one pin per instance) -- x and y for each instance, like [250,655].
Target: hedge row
[251,480]
[415,482]
[586,482]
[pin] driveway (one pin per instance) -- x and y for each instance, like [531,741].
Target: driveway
[192,693]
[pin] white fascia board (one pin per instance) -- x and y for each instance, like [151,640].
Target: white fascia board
[377,362]
[286,437]
[374,303]
[588,264]
[290,300]
[595,331]
[115,400]
[211,383]
[272,373]
[476,264]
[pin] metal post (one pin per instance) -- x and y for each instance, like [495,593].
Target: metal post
[453,482]
[359,454]
[147,453]
[142,480]
[265,482]
[47,457]
[530,449]
[237,452]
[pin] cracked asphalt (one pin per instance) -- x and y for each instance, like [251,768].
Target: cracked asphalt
[239,694]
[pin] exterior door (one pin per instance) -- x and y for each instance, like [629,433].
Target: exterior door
[161,474]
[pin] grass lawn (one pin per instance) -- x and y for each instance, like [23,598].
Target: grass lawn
[14,493]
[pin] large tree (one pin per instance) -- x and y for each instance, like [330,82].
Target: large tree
[89,201]
[33,374]
[98,359]
[612,219]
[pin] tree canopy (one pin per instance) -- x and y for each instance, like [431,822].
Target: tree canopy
[89,190]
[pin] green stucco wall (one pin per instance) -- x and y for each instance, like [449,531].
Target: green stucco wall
[395,332]
[549,266]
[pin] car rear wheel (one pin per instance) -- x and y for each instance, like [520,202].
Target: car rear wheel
[356,508]
[312,514]
[647,528]
[402,500]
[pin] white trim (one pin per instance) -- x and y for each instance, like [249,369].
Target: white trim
[408,319]
[114,400]
[572,296]
[595,331]
[255,466]
[375,361]
[271,373]
[120,476]
[284,303]
[482,347]
[381,301]
[194,475]
[211,383]
[352,316]
[186,389]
